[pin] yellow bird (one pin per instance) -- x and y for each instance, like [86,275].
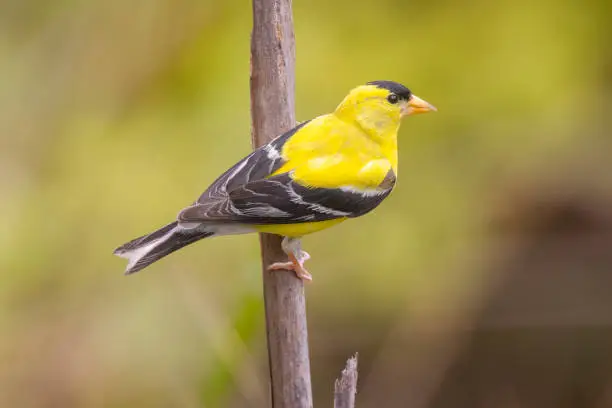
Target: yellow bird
[318,174]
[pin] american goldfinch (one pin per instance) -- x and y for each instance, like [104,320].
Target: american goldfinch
[334,167]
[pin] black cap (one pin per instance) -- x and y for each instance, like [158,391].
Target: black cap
[397,88]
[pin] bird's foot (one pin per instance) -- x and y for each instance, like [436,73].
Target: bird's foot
[295,264]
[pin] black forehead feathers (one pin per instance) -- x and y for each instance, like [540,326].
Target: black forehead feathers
[398,89]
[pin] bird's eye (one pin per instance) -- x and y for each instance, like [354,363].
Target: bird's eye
[393,98]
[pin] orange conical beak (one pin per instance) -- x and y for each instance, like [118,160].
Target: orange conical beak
[417,105]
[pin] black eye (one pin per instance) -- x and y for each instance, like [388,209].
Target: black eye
[393,98]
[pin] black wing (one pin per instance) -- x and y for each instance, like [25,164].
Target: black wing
[256,166]
[281,200]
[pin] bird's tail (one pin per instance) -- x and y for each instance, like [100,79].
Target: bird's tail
[143,251]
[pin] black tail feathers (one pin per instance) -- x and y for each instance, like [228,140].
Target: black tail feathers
[143,251]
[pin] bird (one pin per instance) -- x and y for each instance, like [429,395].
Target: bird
[322,172]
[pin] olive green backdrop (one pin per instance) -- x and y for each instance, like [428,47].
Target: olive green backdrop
[483,281]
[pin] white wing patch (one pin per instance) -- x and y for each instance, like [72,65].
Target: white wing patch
[297,199]
[367,192]
[264,211]
[272,152]
[237,170]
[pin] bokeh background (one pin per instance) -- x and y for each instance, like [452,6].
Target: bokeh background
[484,281]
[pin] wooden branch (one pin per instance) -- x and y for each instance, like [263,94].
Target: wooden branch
[272,110]
[345,387]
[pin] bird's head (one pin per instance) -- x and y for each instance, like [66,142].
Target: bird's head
[379,106]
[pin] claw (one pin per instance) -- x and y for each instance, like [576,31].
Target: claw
[294,265]
[297,257]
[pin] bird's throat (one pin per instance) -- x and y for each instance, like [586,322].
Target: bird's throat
[384,135]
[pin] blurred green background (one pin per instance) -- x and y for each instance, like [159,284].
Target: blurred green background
[484,281]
